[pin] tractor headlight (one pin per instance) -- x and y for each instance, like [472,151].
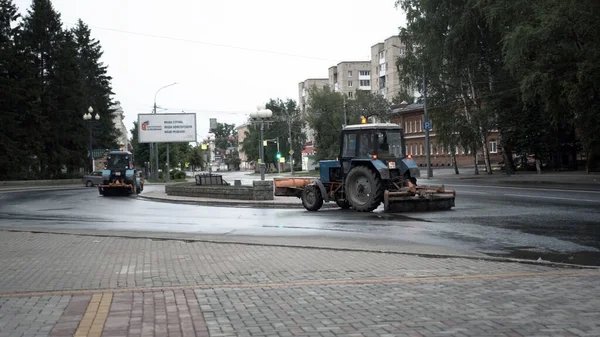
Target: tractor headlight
[392,165]
[118,173]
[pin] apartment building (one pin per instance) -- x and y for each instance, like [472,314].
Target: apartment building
[303,95]
[118,116]
[385,79]
[305,86]
[348,76]
[241,135]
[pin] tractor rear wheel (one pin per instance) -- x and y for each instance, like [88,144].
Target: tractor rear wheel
[363,188]
[311,198]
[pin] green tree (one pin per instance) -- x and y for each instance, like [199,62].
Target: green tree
[285,115]
[225,136]
[326,117]
[452,45]
[95,86]
[196,158]
[141,151]
[549,48]
[403,97]
[369,105]
[14,141]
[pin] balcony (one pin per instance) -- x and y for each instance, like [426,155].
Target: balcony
[364,77]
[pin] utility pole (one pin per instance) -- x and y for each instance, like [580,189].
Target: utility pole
[261,151]
[426,127]
[153,169]
[291,147]
[345,113]
[278,163]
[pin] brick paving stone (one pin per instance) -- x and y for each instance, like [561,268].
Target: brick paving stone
[540,306]
[547,304]
[82,262]
[33,316]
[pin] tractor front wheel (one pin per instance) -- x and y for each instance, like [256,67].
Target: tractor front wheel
[364,190]
[311,198]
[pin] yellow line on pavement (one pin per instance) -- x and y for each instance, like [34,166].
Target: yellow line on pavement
[92,323]
[385,280]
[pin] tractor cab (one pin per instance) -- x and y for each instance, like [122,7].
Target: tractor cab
[119,161]
[381,145]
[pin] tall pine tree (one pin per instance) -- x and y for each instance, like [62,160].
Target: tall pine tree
[95,86]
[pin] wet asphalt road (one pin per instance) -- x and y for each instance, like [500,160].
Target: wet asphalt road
[525,222]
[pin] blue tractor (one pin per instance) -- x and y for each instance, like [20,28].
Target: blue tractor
[372,168]
[120,176]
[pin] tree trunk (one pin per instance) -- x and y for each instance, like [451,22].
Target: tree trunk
[453,155]
[486,153]
[475,162]
[538,166]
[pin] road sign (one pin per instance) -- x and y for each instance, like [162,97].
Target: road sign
[427,125]
[204,146]
[291,152]
[282,160]
[265,143]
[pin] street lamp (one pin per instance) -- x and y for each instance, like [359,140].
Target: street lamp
[88,117]
[210,139]
[261,114]
[155,145]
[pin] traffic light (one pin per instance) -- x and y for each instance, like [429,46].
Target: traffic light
[278,155]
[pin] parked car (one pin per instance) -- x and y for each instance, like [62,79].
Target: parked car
[95,178]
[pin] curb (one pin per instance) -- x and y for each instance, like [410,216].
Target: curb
[234,203]
[12,189]
[300,246]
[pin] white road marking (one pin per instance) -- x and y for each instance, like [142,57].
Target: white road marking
[525,188]
[556,198]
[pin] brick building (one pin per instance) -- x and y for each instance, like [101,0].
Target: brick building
[410,118]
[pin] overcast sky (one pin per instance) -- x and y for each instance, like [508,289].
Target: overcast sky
[228,56]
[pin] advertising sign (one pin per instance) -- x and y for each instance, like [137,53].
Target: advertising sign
[167,128]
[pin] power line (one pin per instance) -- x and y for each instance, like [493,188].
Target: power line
[212,44]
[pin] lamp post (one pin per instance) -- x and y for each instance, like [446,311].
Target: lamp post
[155,145]
[261,115]
[88,117]
[210,140]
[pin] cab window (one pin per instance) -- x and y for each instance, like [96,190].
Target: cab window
[349,145]
[366,145]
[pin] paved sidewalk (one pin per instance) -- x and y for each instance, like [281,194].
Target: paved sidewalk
[68,285]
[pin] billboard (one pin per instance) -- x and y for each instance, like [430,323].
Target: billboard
[167,128]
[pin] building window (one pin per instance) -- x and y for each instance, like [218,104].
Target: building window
[411,149]
[364,73]
[406,148]
[349,73]
[421,149]
[382,54]
[463,151]
[405,126]
[493,146]
[350,94]
[410,130]
[421,125]
[349,83]
[437,149]
[364,83]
